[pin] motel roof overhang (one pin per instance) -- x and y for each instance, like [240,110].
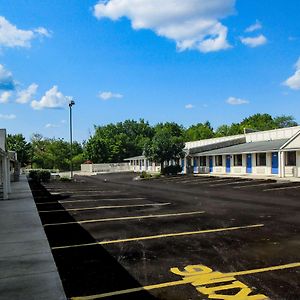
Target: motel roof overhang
[212,147]
[253,147]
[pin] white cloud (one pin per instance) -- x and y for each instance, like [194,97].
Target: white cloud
[6,78]
[11,36]
[254,41]
[256,26]
[43,31]
[49,125]
[192,24]
[53,98]
[4,96]
[25,96]
[189,106]
[8,117]
[109,95]
[236,101]
[293,82]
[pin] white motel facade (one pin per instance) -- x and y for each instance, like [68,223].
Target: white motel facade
[262,153]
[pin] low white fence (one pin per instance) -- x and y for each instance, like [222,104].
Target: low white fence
[106,168]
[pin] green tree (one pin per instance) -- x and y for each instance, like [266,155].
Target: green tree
[226,130]
[285,121]
[167,143]
[199,131]
[55,153]
[259,122]
[114,142]
[17,142]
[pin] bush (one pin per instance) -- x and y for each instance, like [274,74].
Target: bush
[171,170]
[39,175]
[144,174]
[44,176]
[33,174]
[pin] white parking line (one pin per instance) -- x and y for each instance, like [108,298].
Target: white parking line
[90,200]
[128,218]
[227,183]
[104,207]
[259,184]
[213,180]
[283,188]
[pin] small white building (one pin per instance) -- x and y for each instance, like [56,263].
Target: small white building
[141,163]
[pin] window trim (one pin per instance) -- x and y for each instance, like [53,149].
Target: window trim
[219,160]
[236,161]
[258,160]
[287,161]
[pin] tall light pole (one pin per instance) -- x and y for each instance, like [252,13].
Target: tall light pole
[71,103]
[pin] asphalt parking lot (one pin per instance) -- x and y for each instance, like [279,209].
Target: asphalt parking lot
[181,237]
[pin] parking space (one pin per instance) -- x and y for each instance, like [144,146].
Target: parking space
[175,238]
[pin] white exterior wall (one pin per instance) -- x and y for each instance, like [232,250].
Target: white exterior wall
[275,134]
[113,167]
[5,165]
[263,170]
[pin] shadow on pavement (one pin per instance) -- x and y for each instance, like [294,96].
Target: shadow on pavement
[86,270]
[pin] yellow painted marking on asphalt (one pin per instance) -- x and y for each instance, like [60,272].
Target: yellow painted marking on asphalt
[89,200]
[133,290]
[152,237]
[282,188]
[200,276]
[128,218]
[105,207]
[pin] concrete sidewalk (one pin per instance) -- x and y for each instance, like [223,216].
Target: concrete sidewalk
[27,268]
[251,176]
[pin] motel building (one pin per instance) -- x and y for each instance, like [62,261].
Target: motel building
[262,153]
[9,167]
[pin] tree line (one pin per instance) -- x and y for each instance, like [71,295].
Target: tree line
[115,142]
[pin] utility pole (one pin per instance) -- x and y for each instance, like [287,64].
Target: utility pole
[71,103]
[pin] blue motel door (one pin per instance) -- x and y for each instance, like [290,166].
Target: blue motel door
[228,163]
[274,163]
[195,166]
[249,163]
[210,164]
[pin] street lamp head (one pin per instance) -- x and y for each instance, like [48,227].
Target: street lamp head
[71,103]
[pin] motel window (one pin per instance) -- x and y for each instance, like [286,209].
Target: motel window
[203,161]
[219,160]
[238,160]
[290,158]
[261,159]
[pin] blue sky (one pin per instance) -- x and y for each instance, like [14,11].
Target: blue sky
[162,60]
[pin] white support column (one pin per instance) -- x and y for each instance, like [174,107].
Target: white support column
[8,175]
[5,178]
[281,164]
